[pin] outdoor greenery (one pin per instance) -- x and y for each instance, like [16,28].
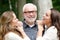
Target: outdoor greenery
[4,5]
[56,4]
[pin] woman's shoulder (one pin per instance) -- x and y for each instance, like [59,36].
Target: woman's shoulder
[51,33]
[11,33]
[12,36]
[52,29]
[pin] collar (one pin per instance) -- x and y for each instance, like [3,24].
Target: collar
[51,27]
[25,25]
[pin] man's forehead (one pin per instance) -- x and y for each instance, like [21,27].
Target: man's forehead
[30,9]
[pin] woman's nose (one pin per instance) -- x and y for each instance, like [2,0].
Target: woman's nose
[44,15]
[16,19]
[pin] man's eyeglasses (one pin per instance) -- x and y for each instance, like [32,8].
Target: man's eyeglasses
[30,12]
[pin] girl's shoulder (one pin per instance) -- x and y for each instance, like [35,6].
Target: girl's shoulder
[13,36]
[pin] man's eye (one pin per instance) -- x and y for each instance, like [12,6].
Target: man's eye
[30,12]
[25,12]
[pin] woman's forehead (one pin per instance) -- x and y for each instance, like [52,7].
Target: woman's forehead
[48,12]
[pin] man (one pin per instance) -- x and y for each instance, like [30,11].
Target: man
[29,23]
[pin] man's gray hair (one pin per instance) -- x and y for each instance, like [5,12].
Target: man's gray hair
[29,4]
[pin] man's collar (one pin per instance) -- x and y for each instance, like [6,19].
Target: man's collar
[25,25]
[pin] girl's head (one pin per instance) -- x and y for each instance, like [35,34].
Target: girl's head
[52,18]
[8,23]
[47,18]
[7,17]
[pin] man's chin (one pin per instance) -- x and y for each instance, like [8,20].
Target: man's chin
[31,20]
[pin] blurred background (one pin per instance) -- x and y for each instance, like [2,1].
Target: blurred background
[17,5]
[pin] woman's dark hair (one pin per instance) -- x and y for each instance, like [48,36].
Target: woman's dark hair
[55,18]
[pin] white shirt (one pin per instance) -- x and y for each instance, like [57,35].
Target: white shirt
[14,36]
[50,34]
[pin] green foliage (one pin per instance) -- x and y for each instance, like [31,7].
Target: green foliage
[13,3]
[56,4]
[4,6]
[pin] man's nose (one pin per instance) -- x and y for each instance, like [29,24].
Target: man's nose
[31,13]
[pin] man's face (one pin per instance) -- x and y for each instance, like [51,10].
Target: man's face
[30,14]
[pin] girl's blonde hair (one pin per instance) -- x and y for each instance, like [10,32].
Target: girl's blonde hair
[5,25]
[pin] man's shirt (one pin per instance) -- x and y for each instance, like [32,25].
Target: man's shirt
[30,31]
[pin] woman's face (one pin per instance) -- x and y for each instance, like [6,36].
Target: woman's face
[47,18]
[14,20]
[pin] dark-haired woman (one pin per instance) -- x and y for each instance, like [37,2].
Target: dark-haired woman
[51,20]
